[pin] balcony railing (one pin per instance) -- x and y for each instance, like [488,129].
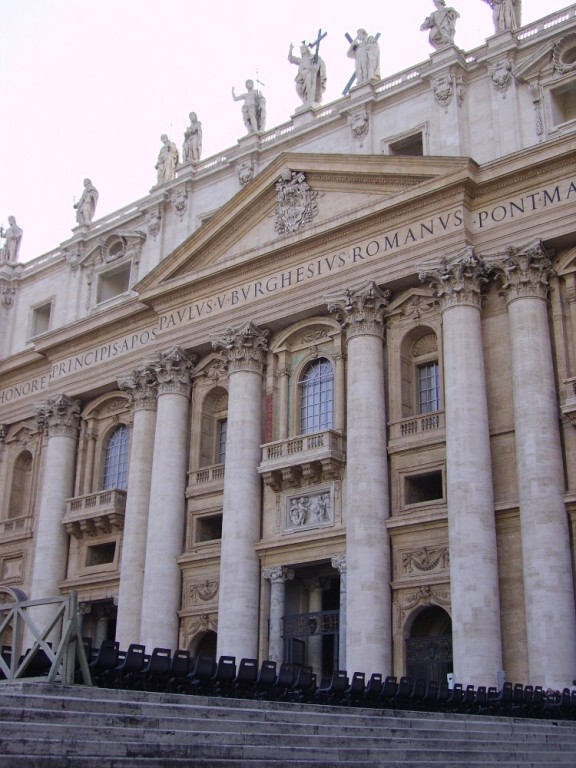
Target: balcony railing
[318,456]
[16,528]
[95,513]
[425,424]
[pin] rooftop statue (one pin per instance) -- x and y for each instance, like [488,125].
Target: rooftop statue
[442,25]
[192,148]
[365,51]
[167,160]
[13,237]
[86,206]
[253,109]
[504,14]
[311,77]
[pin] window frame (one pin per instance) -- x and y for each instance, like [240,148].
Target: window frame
[312,416]
[119,479]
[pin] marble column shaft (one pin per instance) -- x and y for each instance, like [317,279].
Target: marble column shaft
[166,518]
[60,417]
[277,577]
[369,608]
[547,565]
[238,608]
[476,633]
[339,562]
[142,386]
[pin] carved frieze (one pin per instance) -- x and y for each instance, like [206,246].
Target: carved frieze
[308,510]
[204,592]
[426,559]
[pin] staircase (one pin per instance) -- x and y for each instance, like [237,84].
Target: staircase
[45,725]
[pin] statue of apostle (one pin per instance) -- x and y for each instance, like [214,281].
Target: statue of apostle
[311,77]
[86,206]
[442,25]
[366,54]
[13,236]
[253,109]
[167,160]
[504,14]
[192,148]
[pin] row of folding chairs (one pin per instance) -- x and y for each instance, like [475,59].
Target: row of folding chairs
[179,672]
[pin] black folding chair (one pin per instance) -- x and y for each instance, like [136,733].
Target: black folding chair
[266,679]
[154,676]
[106,661]
[246,676]
[179,668]
[127,672]
[333,693]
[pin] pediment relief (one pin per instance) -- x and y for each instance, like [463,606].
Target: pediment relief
[22,435]
[412,307]
[319,193]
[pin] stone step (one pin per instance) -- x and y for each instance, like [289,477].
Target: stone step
[47,725]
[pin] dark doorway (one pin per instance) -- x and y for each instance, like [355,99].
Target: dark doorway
[429,647]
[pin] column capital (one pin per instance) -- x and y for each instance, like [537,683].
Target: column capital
[457,280]
[339,563]
[172,371]
[278,574]
[524,273]
[360,311]
[59,416]
[142,387]
[243,347]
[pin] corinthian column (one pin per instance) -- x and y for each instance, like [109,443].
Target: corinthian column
[142,387]
[59,417]
[548,585]
[277,577]
[166,517]
[369,609]
[245,350]
[476,636]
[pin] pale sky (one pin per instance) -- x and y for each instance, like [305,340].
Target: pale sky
[87,87]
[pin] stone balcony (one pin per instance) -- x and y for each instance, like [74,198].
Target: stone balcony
[417,429]
[95,513]
[568,399]
[313,458]
[16,528]
[205,480]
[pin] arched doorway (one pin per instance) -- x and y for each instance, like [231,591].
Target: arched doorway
[429,646]
[205,645]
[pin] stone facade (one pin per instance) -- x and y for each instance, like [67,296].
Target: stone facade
[323,411]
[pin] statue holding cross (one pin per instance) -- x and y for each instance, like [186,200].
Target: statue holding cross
[311,77]
[365,51]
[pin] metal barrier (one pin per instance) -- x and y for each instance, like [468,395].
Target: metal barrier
[62,661]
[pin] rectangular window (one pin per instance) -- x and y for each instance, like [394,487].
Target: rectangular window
[428,389]
[113,283]
[422,488]
[221,447]
[41,317]
[410,145]
[208,528]
[100,554]
[564,104]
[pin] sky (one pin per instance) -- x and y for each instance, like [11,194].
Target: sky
[87,87]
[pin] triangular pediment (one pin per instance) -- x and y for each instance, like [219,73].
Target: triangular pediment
[297,197]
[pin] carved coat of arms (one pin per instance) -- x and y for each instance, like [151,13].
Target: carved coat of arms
[295,202]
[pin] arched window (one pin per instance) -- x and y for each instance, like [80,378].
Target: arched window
[316,396]
[116,459]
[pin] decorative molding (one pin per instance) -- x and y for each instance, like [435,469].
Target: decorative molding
[205,591]
[426,559]
[308,510]
[173,371]
[501,75]
[142,388]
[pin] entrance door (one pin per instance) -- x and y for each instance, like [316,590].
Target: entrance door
[429,647]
